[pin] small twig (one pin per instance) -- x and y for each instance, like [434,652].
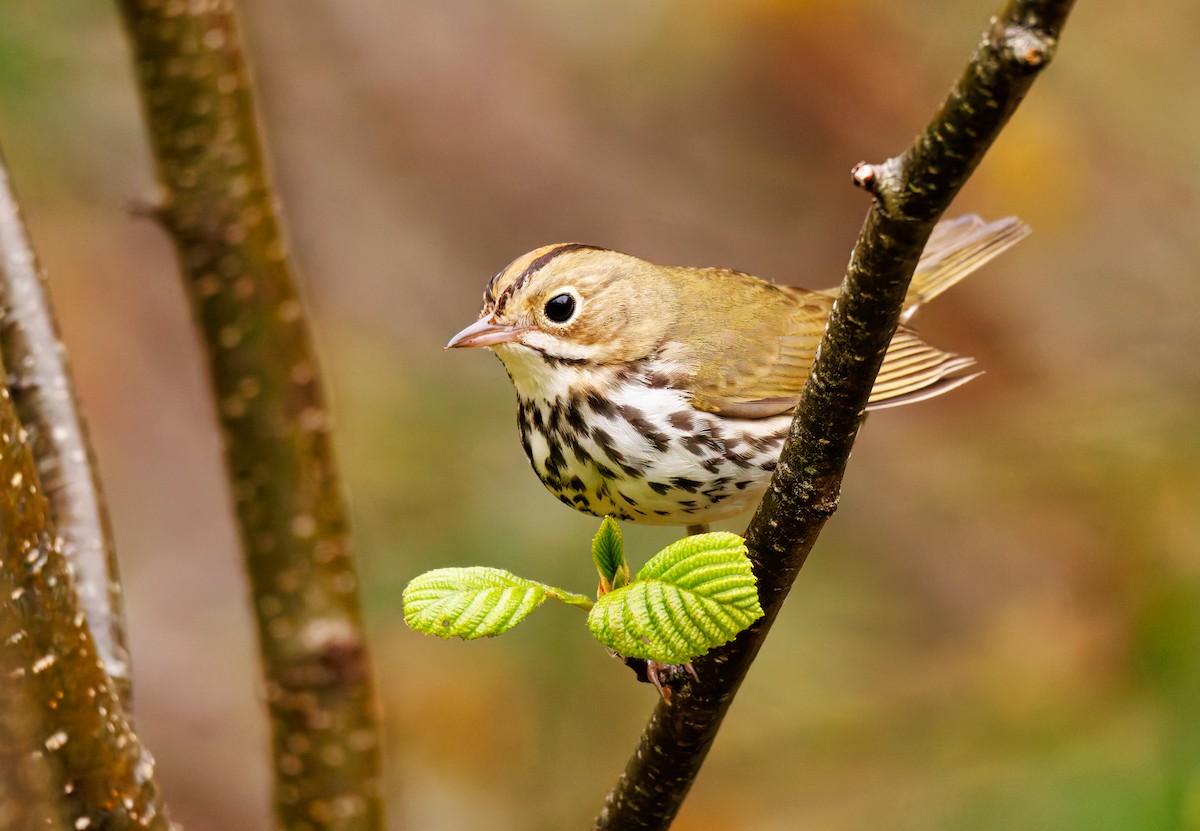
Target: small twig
[910,193]
[68,755]
[44,395]
[220,212]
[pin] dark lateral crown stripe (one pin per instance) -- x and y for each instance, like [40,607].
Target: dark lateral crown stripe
[530,270]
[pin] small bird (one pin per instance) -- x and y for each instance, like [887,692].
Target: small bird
[663,394]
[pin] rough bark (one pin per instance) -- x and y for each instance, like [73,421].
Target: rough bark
[910,192]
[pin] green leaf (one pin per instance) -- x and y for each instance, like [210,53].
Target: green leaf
[608,553]
[692,596]
[470,603]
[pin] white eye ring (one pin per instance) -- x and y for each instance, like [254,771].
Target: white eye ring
[563,306]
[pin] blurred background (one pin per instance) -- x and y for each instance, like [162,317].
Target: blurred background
[1001,626]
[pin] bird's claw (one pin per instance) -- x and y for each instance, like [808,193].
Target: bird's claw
[664,677]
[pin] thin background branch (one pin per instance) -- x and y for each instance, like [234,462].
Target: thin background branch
[910,193]
[220,212]
[44,395]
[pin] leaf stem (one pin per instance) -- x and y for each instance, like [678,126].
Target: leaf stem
[581,601]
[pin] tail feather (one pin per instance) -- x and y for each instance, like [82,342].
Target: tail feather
[914,371]
[955,249]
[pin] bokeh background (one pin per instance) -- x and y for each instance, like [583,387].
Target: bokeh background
[1000,628]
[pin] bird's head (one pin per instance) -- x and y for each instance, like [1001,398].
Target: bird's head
[571,305]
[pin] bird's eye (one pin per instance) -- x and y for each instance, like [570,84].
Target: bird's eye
[560,308]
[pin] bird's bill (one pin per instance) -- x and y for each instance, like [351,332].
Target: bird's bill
[485,332]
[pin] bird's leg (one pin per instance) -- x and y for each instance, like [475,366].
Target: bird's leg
[698,528]
[653,669]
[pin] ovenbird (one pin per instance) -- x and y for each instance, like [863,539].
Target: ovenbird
[663,394]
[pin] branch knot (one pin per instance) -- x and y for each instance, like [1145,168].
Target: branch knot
[1027,48]
[883,181]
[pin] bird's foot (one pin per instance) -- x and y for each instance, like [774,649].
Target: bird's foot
[664,677]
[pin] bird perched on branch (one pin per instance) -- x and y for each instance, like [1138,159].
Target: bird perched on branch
[663,394]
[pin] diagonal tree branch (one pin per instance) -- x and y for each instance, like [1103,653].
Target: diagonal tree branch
[910,193]
[221,214]
[44,395]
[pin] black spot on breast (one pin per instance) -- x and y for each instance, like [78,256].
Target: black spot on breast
[765,443]
[600,406]
[759,443]
[576,484]
[682,421]
[577,451]
[715,487]
[699,443]
[659,441]
[659,487]
[644,427]
[555,462]
[634,416]
[575,417]
[769,465]
[689,485]
[605,442]
[572,442]
[738,459]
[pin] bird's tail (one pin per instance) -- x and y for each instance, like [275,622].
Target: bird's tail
[955,249]
[914,371]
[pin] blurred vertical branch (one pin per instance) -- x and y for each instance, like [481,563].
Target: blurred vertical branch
[220,212]
[43,393]
[910,192]
[69,758]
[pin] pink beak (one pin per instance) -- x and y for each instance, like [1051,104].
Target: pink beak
[484,332]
